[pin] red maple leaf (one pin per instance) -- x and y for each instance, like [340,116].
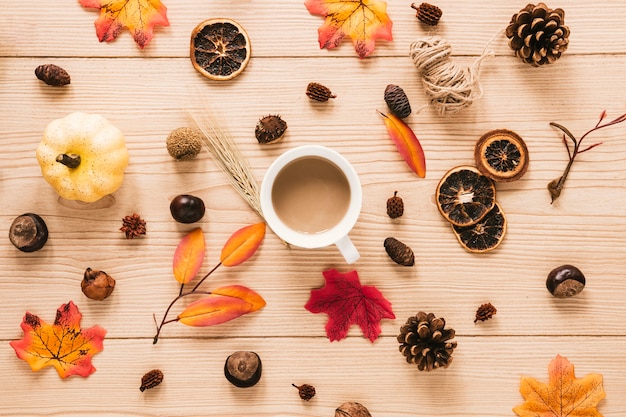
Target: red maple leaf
[347,302]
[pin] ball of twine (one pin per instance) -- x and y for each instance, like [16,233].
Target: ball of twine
[450,87]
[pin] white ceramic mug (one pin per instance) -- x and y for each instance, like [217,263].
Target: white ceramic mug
[273,193]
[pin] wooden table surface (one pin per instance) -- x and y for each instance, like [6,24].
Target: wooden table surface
[145,94]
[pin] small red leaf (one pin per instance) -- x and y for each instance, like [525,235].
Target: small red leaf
[224,304]
[347,302]
[189,256]
[407,143]
[242,244]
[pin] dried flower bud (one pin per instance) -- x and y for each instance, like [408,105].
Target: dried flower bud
[319,92]
[270,129]
[151,379]
[352,409]
[305,391]
[52,75]
[97,285]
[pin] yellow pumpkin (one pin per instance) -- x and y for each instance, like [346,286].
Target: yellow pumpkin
[83,157]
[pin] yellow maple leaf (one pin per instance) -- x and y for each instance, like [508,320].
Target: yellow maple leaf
[564,395]
[139,16]
[363,20]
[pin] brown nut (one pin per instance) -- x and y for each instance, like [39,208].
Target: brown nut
[243,369]
[97,285]
[28,232]
[352,409]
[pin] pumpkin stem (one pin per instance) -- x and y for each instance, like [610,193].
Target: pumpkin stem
[71,160]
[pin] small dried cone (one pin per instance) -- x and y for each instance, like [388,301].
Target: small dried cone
[425,341]
[538,34]
[151,379]
[395,206]
[485,312]
[305,391]
[52,75]
[318,92]
[428,13]
[352,409]
[397,101]
[399,252]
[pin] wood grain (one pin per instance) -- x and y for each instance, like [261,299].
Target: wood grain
[146,93]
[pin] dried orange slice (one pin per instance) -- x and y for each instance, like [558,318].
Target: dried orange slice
[220,48]
[464,196]
[486,234]
[501,155]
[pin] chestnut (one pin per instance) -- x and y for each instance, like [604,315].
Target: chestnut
[565,281]
[28,232]
[97,285]
[243,369]
[186,208]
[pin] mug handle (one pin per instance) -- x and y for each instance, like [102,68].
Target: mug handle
[347,249]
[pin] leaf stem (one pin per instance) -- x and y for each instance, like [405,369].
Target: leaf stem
[206,276]
[164,321]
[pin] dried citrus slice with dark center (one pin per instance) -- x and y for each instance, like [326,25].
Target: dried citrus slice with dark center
[464,196]
[501,155]
[220,49]
[485,235]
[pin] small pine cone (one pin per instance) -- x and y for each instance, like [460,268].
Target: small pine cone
[318,92]
[425,341]
[270,129]
[305,391]
[428,13]
[151,379]
[52,75]
[395,206]
[485,312]
[398,102]
[537,34]
[399,252]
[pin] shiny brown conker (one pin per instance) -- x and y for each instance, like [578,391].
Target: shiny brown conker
[565,281]
[243,369]
[186,208]
[28,232]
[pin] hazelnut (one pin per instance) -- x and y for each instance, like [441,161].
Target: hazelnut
[565,281]
[97,285]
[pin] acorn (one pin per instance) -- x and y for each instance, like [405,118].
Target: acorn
[397,101]
[184,143]
[28,232]
[270,129]
[151,379]
[97,285]
[243,369]
[395,206]
[52,75]
[399,252]
[319,92]
[565,281]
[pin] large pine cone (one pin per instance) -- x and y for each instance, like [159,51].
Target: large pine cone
[537,34]
[425,341]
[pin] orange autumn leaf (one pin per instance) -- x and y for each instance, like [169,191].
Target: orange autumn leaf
[139,16]
[563,395]
[189,256]
[242,244]
[62,344]
[407,143]
[364,21]
[224,304]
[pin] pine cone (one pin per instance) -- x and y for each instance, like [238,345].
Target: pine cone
[395,206]
[485,312]
[537,34]
[428,13]
[425,341]
[398,102]
[399,252]
[319,92]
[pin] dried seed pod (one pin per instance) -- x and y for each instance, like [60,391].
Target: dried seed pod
[352,409]
[184,143]
[485,312]
[318,92]
[395,206]
[305,391]
[270,129]
[428,13]
[243,369]
[52,75]
[97,285]
[397,101]
[151,379]
[399,252]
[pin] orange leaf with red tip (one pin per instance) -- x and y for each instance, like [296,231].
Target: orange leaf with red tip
[364,21]
[62,344]
[139,16]
[189,256]
[407,143]
[224,304]
[242,244]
